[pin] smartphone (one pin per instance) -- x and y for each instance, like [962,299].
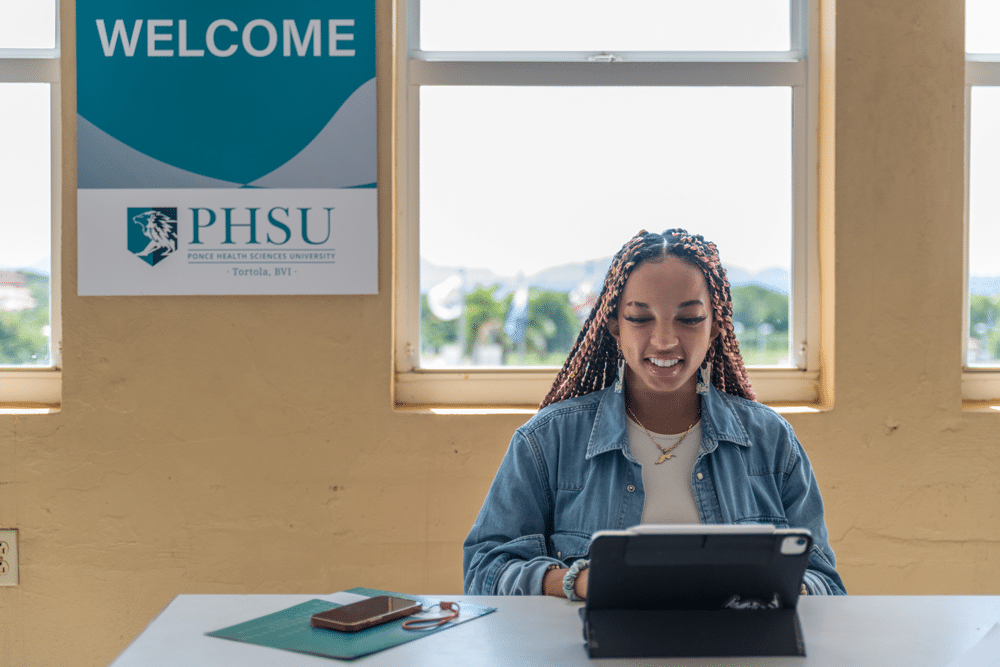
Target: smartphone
[364,613]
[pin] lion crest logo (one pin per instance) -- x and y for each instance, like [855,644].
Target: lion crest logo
[152,233]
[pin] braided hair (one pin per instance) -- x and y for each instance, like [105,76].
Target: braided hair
[592,363]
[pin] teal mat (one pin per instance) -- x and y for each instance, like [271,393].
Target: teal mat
[289,629]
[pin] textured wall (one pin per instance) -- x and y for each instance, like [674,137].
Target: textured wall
[225,444]
[908,477]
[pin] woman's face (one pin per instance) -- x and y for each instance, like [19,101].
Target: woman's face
[664,326]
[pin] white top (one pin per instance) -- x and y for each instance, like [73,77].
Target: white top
[669,494]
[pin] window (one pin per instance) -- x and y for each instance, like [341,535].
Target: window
[534,140]
[29,189]
[982,313]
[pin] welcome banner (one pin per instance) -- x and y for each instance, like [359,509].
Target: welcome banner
[226,147]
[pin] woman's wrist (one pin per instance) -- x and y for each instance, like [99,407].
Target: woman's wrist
[552,583]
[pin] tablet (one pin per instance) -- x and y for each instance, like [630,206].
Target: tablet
[695,566]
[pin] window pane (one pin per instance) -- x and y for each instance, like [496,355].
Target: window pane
[984,228]
[982,26]
[536,188]
[28,24]
[589,25]
[25,223]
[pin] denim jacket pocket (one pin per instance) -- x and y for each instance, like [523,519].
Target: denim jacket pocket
[568,547]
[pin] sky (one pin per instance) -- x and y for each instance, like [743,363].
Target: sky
[567,174]
[522,179]
[25,123]
[27,24]
[586,25]
[551,176]
[984,175]
[570,174]
[25,182]
[982,35]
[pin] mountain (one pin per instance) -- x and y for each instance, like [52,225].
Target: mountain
[984,285]
[41,267]
[567,276]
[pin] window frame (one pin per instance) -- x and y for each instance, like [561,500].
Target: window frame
[518,387]
[33,386]
[979,383]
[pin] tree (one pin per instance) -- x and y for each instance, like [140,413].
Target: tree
[551,329]
[983,310]
[484,316]
[22,337]
[435,332]
[552,325]
[754,305]
[984,322]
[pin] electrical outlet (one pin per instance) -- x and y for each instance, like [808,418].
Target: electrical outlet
[8,557]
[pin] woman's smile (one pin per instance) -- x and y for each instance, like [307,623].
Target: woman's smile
[664,327]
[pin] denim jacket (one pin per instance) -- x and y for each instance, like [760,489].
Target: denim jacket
[568,473]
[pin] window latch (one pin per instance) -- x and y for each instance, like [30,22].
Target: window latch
[604,58]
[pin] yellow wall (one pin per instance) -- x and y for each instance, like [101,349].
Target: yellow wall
[248,444]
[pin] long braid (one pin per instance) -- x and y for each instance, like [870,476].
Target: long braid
[592,362]
[729,374]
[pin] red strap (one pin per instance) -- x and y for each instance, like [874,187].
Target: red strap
[428,623]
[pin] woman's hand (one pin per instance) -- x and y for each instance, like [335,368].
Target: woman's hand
[553,582]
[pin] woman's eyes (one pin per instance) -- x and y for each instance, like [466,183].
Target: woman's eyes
[683,320]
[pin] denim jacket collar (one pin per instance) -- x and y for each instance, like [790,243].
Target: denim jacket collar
[719,423]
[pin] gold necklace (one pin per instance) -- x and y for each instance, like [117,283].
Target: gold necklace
[665,453]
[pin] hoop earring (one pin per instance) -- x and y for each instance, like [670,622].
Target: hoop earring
[703,373]
[620,380]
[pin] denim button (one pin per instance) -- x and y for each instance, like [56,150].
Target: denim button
[700,476]
[630,488]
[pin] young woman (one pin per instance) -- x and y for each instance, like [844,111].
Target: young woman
[651,420]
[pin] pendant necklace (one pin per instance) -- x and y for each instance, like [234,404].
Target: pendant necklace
[665,452]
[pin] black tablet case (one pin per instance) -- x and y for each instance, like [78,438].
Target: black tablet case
[664,595]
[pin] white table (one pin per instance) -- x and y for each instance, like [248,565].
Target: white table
[852,631]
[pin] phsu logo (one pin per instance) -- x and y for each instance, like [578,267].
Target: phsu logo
[152,233]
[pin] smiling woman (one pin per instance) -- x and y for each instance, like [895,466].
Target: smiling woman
[650,420]
[663,330]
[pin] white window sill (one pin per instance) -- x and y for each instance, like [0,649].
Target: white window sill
[30,391]
[509,391]
[981,385]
